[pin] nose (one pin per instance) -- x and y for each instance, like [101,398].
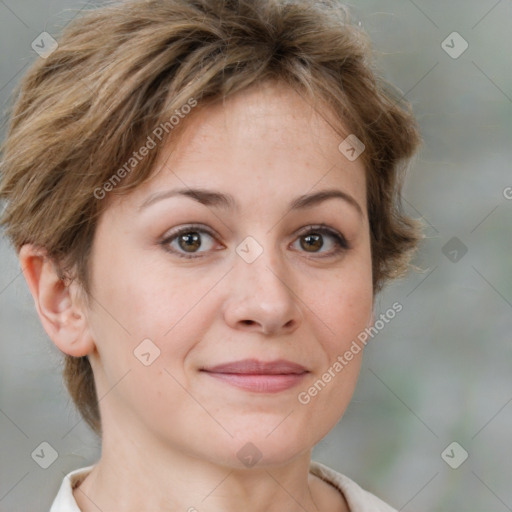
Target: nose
[262,298]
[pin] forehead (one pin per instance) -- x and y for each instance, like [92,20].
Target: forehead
[261,145]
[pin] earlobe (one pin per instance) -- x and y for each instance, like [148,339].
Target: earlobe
[62,314]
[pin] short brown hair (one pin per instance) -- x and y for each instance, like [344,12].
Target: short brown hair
[122,70]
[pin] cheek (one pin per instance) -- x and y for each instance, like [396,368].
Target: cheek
[348,300]
[136,294]
[351,313]
[346,308]
[144,299]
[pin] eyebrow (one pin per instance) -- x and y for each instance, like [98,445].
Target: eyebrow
[227,201]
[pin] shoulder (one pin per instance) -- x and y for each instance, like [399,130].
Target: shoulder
[358,499]
[65,501]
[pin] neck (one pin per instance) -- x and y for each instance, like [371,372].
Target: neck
[149,476]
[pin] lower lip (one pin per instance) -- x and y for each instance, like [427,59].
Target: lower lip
[260,383]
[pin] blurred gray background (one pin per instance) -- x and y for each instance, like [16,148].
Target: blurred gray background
[440,371]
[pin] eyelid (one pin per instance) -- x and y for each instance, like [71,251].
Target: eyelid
[340,239]
[171,233]
[322,228]
[342,243]
[186,228]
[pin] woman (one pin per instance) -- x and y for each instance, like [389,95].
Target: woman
[204,196]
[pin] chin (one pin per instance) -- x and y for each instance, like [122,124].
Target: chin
[259,449]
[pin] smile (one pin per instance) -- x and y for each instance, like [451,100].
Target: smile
[259,376]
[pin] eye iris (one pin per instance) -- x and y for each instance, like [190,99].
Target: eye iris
[191,241]
[312,241]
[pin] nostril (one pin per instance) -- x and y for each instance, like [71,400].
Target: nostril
[248,322]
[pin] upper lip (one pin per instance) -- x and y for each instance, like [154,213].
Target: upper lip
[257,367]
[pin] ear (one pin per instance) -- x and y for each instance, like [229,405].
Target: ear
[61,312]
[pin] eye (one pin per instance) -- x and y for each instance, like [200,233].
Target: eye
[186,241]
[312,239]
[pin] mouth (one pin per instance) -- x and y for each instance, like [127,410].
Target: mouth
[259,376]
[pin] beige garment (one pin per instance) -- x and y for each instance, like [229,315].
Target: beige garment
[357,498]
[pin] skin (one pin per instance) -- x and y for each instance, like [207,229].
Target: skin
[171,433]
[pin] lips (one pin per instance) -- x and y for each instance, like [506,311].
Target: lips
[259,376]
[256,367]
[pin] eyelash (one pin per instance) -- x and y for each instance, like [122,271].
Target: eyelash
[340,240]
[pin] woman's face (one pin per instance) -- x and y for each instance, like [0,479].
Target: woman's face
[183,282]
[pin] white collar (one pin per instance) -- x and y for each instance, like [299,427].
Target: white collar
[357,498]
[65,501]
